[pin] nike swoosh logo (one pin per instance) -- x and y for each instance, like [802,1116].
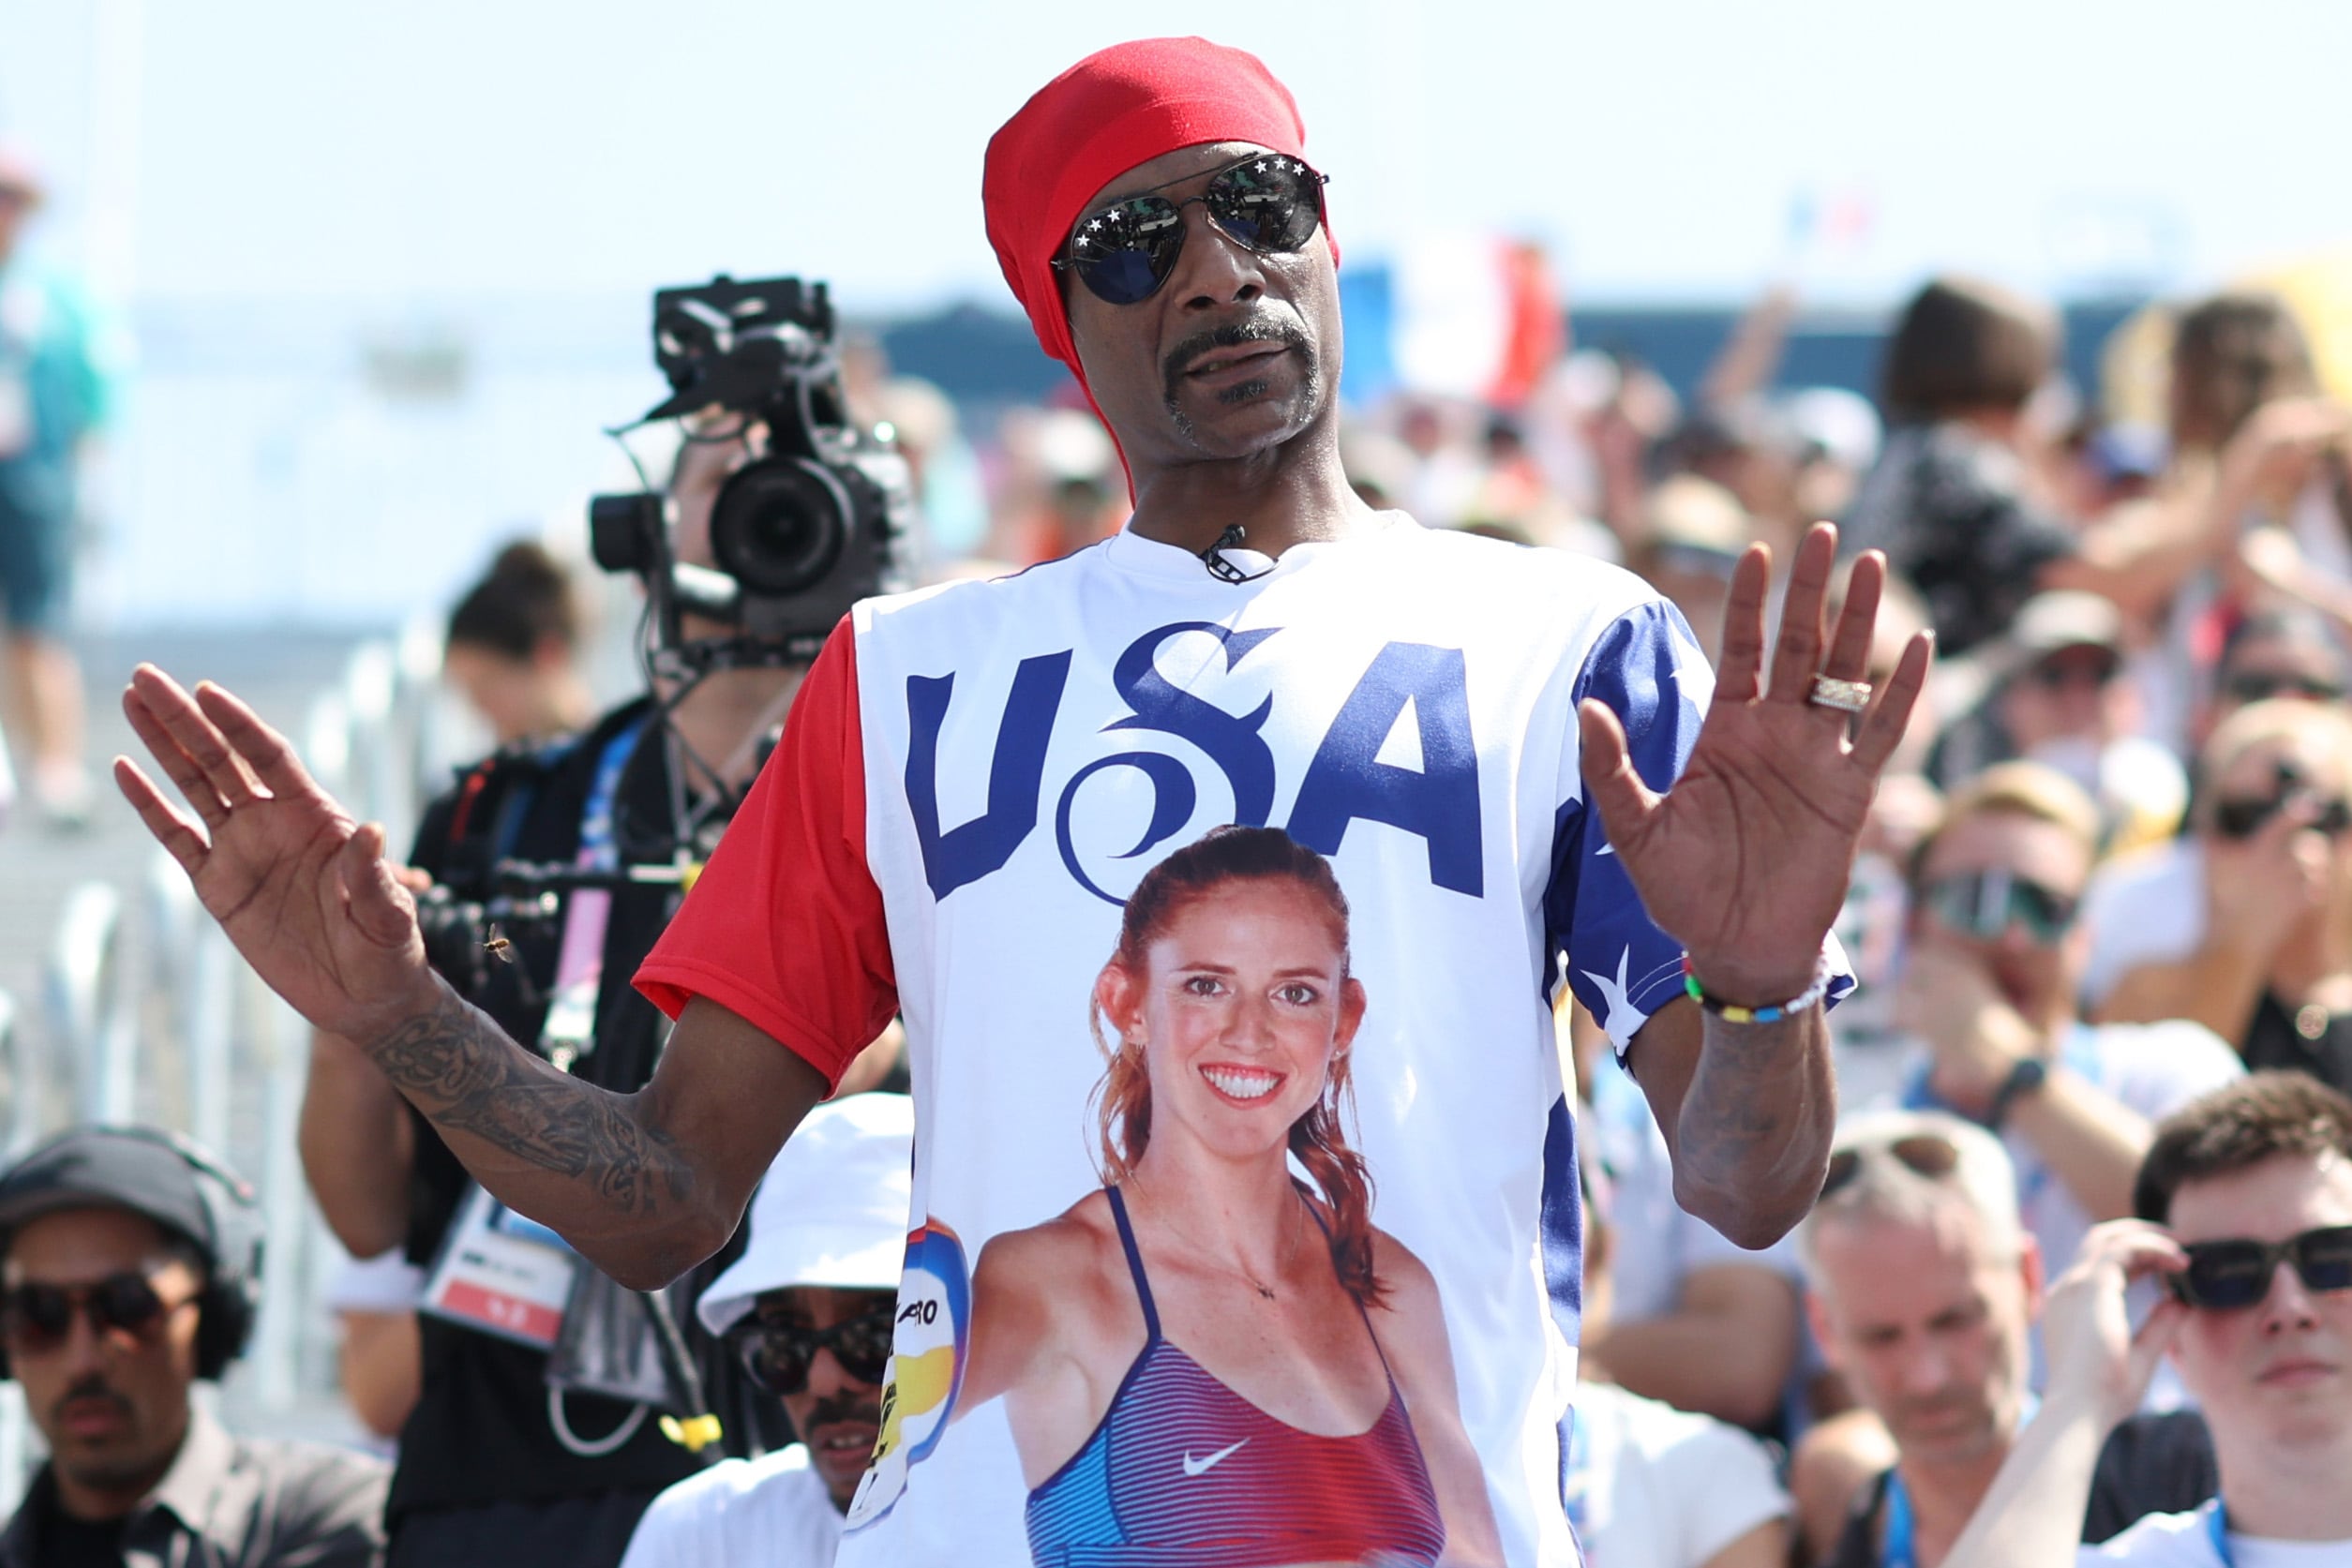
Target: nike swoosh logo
[1202,1467]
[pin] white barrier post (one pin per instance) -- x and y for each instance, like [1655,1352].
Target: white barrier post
[159,1003]
[95,1035]
[27,1083]
[212,968]
[283,1040]
[419,658]
[370,682]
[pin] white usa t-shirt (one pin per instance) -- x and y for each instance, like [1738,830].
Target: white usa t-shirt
[2190,1541]
[974,778]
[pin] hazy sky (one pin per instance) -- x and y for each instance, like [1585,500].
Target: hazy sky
[438,147]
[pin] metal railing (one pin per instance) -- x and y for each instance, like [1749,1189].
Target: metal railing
[153,1017]
[84,979]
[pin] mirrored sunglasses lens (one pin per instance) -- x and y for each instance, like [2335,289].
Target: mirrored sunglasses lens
[778,1364]
[1967,905]
[864,1347]
[1122,278]
[1983,904]
[1125,252]
[2045,914]
[1268,205]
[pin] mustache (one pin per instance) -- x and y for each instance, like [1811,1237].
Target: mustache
[92,1387]
[846,1406]
[1267,326]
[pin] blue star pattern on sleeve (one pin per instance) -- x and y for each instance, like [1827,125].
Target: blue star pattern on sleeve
[1648,668]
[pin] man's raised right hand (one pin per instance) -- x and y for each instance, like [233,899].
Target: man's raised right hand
[302,891]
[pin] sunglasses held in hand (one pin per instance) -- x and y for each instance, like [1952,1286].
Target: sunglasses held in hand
[2233,1274]
[1266,203]
[778,1355]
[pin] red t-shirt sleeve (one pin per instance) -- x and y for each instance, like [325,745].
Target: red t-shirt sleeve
[785,926]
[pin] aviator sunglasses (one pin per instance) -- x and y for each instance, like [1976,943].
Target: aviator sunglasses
[2228,1276]
[778,1354]
[1266,203]
[35,1318]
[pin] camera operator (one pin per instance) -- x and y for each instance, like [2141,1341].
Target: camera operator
[500,1464]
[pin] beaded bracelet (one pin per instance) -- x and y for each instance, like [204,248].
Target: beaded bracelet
[1811,997]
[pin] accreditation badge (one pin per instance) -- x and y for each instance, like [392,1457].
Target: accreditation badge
[502,1274]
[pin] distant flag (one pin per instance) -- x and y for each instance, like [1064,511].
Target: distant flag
[1452,315]
[1835,221]
[1538,330]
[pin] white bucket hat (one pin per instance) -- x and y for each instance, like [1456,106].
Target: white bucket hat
[832,1209]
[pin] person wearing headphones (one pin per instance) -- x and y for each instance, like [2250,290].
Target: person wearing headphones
[130,1267]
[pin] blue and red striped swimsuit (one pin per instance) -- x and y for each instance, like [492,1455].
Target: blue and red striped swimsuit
[1183,1470]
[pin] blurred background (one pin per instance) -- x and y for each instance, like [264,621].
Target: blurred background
[384,272]
[355,290]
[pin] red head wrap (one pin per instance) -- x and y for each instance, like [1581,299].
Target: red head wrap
[1123,106]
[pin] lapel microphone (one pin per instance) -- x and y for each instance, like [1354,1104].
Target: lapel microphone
[1219,567]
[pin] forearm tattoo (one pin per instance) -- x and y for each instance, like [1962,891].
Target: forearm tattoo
[467,1077]
[1760,1104]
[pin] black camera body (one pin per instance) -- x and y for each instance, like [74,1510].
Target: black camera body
[824,517]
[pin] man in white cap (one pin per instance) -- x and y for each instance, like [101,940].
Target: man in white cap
[809,1307]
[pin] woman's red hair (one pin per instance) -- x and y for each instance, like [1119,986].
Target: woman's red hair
[1124,1097]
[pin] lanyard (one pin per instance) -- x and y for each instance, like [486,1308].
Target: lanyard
[2217,1531]
[579,965]
[1899,1552]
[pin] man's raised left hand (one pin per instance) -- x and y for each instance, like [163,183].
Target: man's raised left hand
[1744,862]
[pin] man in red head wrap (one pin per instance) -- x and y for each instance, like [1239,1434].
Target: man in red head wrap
[1307,810]
[1141,116]
[1108,114]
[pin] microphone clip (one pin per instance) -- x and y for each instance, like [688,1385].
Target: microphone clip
[1225,571]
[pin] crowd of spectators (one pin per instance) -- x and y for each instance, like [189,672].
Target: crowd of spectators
[2107,877]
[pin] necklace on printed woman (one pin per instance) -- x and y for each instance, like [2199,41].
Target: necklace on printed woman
[1290,1243]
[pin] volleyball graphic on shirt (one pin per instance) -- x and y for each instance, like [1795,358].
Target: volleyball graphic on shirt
[927,1347]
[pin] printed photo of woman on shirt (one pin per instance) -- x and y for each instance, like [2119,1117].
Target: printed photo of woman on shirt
[1206,1356]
